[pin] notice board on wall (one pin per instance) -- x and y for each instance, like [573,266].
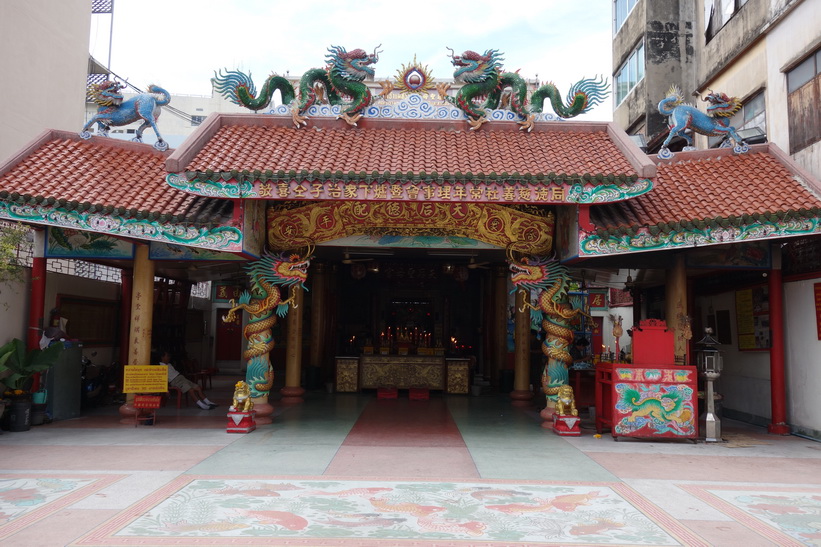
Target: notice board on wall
[752,311]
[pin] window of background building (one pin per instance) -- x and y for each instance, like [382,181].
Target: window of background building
[630,73]
[717,13]
[752,114]
[803,98]
[621,9]
[196,120]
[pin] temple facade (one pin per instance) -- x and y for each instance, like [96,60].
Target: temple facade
[346,236]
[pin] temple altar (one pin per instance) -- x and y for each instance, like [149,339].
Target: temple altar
[433,372]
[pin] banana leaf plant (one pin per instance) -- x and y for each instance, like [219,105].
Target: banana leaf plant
[18,365]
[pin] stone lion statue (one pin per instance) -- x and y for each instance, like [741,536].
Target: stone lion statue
[566,402]
[242,398]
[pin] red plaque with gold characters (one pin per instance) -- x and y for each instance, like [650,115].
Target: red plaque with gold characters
[226,293]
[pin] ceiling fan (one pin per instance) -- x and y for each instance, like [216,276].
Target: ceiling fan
[472,264]
[346,259]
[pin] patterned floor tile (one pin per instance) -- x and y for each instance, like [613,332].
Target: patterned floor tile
[25,499]
[199,510]
[785,515]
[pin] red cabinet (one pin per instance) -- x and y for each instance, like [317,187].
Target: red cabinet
[647,401]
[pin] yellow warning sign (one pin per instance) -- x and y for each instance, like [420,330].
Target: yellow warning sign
[145,379]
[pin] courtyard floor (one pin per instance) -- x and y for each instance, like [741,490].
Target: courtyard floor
[351,469]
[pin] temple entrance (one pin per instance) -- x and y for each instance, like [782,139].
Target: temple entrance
[427,315]
[409,306]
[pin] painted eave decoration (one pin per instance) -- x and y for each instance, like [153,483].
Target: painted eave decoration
[110,187]
[710,198]
[480,188]
[222,238]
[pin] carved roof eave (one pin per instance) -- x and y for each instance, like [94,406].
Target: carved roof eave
[699,233]
[215,217]
[219,238]
[272,186]
[244,177]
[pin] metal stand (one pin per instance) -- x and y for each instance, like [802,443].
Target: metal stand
[710,422]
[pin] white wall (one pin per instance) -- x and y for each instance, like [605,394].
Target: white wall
[803,357]
[608,339]
[792,39]
[78,286]
[745,382]
[44,63]
[13,312]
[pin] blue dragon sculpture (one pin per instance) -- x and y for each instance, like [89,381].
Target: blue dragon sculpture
[113,110]
[343,76]
[715,123]
[483,78]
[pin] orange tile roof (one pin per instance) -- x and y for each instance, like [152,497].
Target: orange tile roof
[103,173]
[712,184]
[128,179]
[267,143]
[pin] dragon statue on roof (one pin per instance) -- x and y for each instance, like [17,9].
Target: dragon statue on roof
[264,298]
[113,110]
[715,123]
[342,77]
[554,311]
[483,79]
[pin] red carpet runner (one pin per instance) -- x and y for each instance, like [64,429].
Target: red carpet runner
[401,438]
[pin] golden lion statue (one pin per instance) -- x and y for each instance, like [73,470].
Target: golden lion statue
[242,398]
[566,402]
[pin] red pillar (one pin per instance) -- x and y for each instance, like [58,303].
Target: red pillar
[37,291]
[126,278]
[778,390]
[37,295]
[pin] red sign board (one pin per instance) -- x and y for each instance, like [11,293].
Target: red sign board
[226,293]
[598,299]
[817,290]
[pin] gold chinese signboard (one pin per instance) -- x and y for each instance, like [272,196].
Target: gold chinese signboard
[489,223]
[397,191]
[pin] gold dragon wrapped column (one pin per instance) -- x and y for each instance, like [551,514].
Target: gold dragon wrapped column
[554,312]
[262,302]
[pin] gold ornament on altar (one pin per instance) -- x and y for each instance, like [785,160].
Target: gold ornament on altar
[617,329]
[242,398]
[566,402]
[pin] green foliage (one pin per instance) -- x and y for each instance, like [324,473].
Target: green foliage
[17,365]
[11,236]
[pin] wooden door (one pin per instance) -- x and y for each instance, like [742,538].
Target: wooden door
[228,345]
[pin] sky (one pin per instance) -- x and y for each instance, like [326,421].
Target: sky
[178,44]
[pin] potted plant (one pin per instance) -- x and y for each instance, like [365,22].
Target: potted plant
[17,368]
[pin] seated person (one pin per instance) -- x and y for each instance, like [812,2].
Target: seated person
[175,379]
[578,352]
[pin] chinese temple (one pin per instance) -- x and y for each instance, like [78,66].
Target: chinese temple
[391,229]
